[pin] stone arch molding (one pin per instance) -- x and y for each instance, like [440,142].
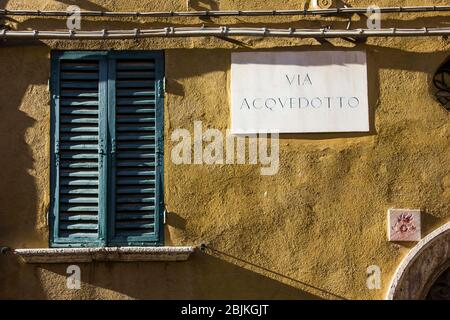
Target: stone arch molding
[422,266]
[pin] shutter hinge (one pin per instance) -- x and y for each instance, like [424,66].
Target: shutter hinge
[113,146]
[159,151]
[101,153]
[57,147]
[159,159]
[101,147]
[161,87]
[56,153]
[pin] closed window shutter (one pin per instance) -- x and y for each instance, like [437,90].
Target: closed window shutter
[78,170]
[135,124]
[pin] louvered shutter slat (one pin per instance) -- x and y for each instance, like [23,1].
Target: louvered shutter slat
[79,66]
[80,85]
[78,191]
[131,190]
[78,94]
[136,93]
[78,218]
[68,119]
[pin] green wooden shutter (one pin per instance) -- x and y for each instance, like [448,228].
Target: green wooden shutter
[136,133]
[78,156]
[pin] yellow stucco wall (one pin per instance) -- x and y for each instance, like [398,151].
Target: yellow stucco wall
[308,232]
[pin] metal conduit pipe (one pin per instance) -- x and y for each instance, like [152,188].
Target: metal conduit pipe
[223,13]
[221,31]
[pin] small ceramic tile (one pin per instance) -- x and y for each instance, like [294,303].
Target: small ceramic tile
[404,225]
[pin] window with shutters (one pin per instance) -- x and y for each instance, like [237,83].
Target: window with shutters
[107,148]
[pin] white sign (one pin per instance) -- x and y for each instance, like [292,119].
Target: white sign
[284,92]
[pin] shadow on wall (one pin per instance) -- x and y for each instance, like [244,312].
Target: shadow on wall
[201,277]
[83,4]
[21,211]
[201,5]
[24,67]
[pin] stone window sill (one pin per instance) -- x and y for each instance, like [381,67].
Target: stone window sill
[125,254]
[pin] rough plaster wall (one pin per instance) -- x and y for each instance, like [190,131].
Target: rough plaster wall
[308,232]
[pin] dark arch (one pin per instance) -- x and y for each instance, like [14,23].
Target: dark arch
[440,290]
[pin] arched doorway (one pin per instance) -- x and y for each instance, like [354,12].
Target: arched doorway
[424,272]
